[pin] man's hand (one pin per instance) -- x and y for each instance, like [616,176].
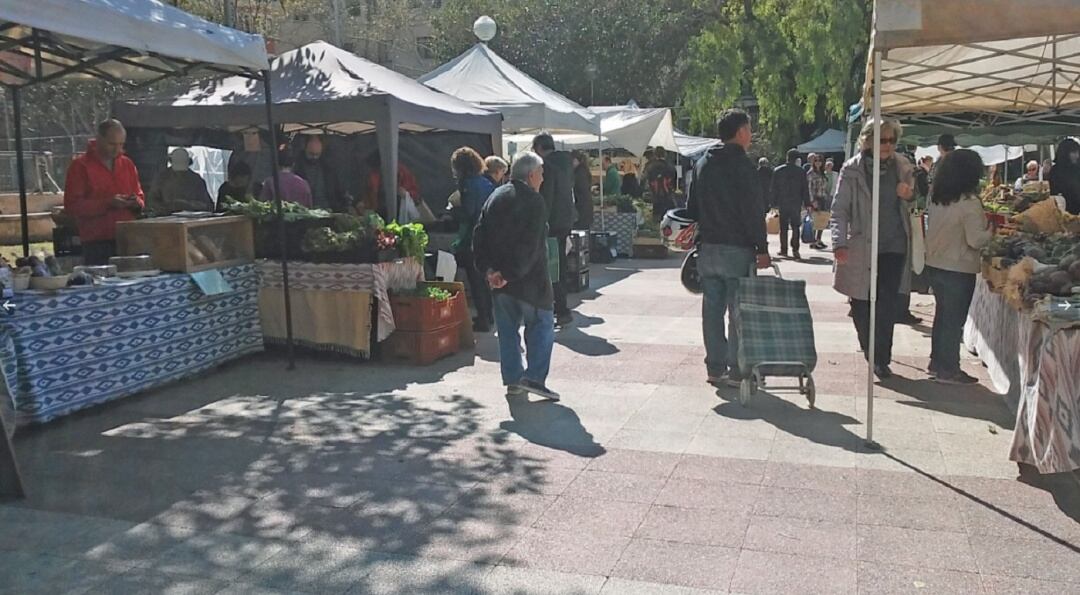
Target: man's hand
[904,191]
[763,261]
[495,280]
[841,255]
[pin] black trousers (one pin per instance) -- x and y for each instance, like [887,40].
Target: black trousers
[561,236]
[790,220]
[952,296]
[890,271]
[478,286]
[98,253]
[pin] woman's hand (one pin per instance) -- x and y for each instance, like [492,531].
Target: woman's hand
[841,256]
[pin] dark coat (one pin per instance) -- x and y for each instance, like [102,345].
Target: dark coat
[558,191]
[789,191]
[725,200]
[511,239]
[583,196]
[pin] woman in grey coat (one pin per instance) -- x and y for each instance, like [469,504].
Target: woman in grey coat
[851,230]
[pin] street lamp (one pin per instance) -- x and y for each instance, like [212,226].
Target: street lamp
[591,71]
[484,28]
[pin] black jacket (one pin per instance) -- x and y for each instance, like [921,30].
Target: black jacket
[558,191]
[335,198]
[764,173]
[1065,181]
[511,238]
[725,200]
[583,196]
[789,192]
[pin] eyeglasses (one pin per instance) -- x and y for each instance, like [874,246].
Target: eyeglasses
[888,140]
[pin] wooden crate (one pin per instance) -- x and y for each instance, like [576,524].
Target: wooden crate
[418,313]
[421,348]
[648,249]
[185,245]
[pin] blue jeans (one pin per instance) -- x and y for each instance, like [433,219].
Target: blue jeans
[720,267]
[510,314]
[952,297]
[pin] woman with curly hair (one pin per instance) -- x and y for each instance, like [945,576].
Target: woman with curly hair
[957,232]
[474,190]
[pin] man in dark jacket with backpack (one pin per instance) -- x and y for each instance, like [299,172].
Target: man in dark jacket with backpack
[790,194]
[558,193]
[725,200]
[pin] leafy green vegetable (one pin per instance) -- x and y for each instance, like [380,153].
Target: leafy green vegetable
[412,238]
[438,294]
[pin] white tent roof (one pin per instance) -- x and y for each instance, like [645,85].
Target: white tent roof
[1007,61]
[693,147]
[830,141]
[118,39]
[317,86]
[482,77]
[629,128]
[991,155]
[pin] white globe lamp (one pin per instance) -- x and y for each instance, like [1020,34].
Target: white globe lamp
[485,28]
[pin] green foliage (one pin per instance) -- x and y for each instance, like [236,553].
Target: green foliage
[412,239]
[637,47]
[802,60]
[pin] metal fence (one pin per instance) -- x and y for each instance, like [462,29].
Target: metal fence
[45,162]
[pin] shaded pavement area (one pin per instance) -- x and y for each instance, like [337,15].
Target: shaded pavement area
[342,477]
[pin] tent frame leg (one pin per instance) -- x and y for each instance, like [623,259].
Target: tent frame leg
[20,169]
[280,219]
[874,219]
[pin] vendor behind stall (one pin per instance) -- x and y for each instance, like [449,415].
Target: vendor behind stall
[372,198]
[326,191]
[236,187]
[177,188]
[102,188]
[293,187]
[1065,175]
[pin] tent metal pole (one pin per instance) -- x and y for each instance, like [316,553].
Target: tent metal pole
[280,219]
[603,173]
[875,214]
[20,169]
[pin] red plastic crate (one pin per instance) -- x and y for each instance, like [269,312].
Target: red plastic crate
[421,348]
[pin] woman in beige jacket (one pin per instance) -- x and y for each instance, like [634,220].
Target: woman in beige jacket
[957,232]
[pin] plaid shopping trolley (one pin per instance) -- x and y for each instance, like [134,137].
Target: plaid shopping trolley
[776,333]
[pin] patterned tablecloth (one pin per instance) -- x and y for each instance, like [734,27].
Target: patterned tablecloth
[336,293]
[1040,368]
[68,350]
[624,225]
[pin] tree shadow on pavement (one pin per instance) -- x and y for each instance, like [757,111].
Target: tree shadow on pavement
[577,340]
[816,425]
[329,480]
[972,401]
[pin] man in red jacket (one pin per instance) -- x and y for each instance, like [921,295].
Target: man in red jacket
[102,188]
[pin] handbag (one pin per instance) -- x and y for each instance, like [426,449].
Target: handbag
[918,244]
[808,236]
[821,220]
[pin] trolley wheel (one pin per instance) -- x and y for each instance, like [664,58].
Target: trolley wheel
[747,388]
[811,392]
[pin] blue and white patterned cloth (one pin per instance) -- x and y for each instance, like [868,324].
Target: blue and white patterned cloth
[75,348]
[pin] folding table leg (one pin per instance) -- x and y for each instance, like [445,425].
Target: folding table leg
[11,486]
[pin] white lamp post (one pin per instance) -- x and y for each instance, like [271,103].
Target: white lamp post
[484,28]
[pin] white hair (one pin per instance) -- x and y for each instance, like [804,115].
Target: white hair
[495,163]
[525,163]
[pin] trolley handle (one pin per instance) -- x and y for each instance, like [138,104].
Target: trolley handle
[775,267]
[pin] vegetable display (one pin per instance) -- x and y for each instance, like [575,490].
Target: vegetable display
[412,238]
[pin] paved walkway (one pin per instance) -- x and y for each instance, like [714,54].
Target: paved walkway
[340,477]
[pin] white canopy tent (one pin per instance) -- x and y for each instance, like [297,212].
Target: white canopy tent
[965,63]
[693,147]
[830,141]
[320,87]
[992,155]
[482,77]
[632,129]
[119,41]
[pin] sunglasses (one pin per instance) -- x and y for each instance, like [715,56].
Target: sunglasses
[888,140]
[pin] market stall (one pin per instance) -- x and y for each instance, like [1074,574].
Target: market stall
[117,41]
[932,65]
[332,304]
[67,350]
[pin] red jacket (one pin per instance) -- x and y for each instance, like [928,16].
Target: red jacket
[90,188]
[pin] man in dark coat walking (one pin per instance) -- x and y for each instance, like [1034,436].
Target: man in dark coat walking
[558,193]
[790,194]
